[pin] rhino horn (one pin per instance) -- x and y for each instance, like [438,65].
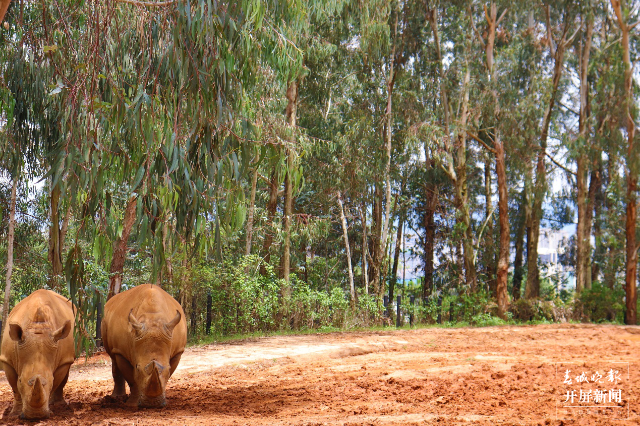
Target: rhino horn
[154,386]
[39,317]
[137,325]
[37,395]
[62,332]
[171,324]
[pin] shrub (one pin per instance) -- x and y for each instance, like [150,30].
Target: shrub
[599,304]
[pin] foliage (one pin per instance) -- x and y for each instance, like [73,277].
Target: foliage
[600,304]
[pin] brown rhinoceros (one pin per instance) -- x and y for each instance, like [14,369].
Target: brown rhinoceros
[144,332]
[37,351]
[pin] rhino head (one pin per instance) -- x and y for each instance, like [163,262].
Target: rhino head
[151,358]
[37,347]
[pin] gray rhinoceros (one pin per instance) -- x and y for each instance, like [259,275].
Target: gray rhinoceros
[144,332]
[37,351]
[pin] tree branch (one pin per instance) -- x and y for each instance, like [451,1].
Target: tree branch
[570,39]
[502,16]
[473,25]
[472,136]
[559,165]
[149,3]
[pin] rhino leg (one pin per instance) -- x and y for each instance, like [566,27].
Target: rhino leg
[57,396]
[119,389]
[134,398]
[173,363]
[12,378]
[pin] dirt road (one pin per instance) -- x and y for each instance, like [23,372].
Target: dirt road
[483,376]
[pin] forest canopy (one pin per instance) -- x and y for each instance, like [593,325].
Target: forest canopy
[284,161]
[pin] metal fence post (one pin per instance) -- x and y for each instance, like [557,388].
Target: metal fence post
[209,303]
[412,300]
[385,303]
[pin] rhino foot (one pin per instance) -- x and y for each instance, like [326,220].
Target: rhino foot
[111,399]
[132,401]
[15,411]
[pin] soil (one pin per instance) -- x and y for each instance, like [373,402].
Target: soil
[468,376]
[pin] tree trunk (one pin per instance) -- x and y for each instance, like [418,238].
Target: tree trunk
[377,246]
[387,169]
[632,178]
[396,254]
[585,211]
[10,238]
[168,263]
[292,107]
[489,256]
[365,247]
[461,190]
[429,224]
[595,188]
[532,289]
[252,207]
[272,207]
[120,248]
[457,163]
[503,207]
[518,270]
[347,247]
[4,5]
[55,245]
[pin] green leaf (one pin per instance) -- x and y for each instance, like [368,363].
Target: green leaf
[138,179]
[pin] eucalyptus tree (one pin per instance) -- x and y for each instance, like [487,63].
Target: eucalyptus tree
[608,116]
[561,31]
[623,18]
[584,200]
[157,136]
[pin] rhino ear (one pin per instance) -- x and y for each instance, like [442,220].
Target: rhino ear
[62,332]
[15,332]
[172,324]
[137,325]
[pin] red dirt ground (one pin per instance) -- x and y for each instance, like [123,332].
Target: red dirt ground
[482,376]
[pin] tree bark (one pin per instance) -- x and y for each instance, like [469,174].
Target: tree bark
[55,245]
[272,207]
[10,239]
[365,247]
[595,188]
[291,112]
[347,247]
[461,190]
[429,224]
[376,241]
[503,207]
[632,178]
[120,248]
[489,257]
[396,255]
[585,211]
[518,270]
[252,207]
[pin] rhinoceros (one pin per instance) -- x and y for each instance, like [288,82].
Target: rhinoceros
[37,351]
[144,332]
